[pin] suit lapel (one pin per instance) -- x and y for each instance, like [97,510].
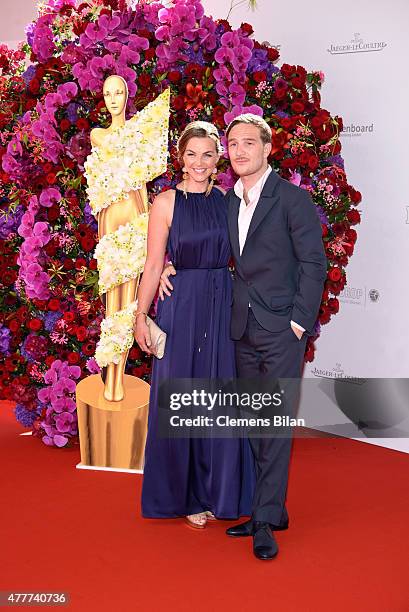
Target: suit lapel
[265,204]
[233,217]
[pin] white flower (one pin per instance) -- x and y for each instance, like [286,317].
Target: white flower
[130,156]
[116,336]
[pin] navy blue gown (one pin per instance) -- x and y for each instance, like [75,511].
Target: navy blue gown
[187,476]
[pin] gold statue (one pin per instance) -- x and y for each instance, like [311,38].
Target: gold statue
[124,157]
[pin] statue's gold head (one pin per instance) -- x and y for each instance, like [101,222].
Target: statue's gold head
[115,94]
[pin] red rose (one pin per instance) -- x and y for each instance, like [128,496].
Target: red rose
[353,216]
[313,162]
[14,325]
[54,305]
[333,305]
[135,353]
[337,148]
[87,243]
[260,76]
[93,264]
[289,162]
[325,314]
[287,70]
[286,123]
[68,264]
[351,235]
[51,178]
[30,104]
[309,353]
[51,248]
[355,195]
[82,124]
[34,86]
[334,274]
[49,360]
[53,213]
[9,277]
[24,380]
[68,163]
[174,76]
[149,54]
[35,324]
[303,158]
[298,106]
[65,125]
[80,262]
[69,316]
[247,29]
[178,102]
[280,93]
[73,358]
[40,304]
[297,82]
[273,54]
[144,79]
[324,230]
[81,333]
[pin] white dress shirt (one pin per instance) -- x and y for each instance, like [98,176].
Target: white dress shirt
[246,212]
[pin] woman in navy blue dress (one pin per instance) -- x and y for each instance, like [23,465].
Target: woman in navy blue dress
[208,477]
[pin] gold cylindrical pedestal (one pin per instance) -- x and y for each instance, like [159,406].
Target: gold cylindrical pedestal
[112,434]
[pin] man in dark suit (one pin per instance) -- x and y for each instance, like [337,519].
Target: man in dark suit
[280,268]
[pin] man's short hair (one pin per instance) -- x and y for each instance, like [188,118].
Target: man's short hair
[265,130]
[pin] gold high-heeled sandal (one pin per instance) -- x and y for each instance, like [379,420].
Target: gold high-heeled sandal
[196,524]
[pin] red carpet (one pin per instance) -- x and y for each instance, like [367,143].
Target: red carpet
[72,530]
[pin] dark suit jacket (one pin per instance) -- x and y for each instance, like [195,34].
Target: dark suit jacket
[282,268]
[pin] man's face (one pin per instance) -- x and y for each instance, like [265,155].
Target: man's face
[248,154]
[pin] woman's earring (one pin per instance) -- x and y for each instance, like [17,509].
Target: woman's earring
[213,177]
[185,177]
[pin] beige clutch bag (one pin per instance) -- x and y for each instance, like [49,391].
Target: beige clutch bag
[158,338]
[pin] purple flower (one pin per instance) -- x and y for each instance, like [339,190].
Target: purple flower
[5,338]
[63,422]
[51,319]
[24,416]
[10,221]
[29,74]
[336,160]
[29,32]
[322,216]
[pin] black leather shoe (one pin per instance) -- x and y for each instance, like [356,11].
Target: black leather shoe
[246,529]
[241,531]
[264,544]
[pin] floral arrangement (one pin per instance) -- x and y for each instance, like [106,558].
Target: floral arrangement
[49,306]
[131,155]
[121,255]
[116,336]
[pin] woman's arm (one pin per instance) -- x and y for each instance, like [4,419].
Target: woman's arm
[158,230]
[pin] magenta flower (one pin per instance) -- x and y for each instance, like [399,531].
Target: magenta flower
[64,421]
[238,110]
[49,197]
[60,416]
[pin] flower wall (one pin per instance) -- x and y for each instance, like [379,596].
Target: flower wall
[50,313]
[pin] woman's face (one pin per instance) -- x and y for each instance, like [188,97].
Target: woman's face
[115,95]
[200,158]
